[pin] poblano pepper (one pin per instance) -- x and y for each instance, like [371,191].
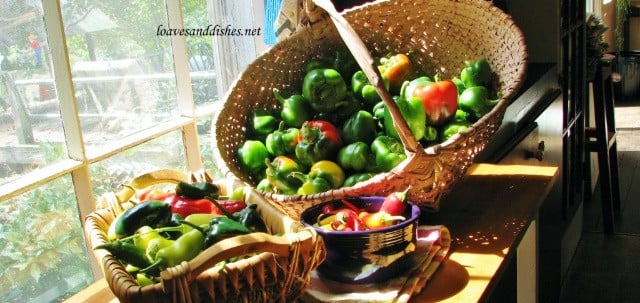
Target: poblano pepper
[413,112]
[151,213]
[325,89]
[476,73]
[359,127]
[127,252]
[222,228]
[282,141]
[319,140]
[278,173]
[250,218]
[295,109]
[475,100]
[197,190]
[356,156]
[388,151]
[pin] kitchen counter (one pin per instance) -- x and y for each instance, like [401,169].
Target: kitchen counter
[491,214]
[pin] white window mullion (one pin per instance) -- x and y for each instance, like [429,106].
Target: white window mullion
[69,113]
[184,87]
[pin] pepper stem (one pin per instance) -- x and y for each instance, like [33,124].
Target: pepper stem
[221,208]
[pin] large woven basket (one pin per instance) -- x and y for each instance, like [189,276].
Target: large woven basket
[277,269]
[440,35]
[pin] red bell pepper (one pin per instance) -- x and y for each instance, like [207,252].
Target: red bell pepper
[439,98]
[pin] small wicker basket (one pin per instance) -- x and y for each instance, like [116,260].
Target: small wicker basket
[440,35]
[276,269]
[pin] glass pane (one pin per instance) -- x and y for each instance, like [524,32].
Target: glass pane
[43,255]
[164,152]
[122,71]
[30,126]
[200,53]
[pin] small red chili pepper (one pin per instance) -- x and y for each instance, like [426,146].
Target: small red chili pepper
[350,205]
[346,220]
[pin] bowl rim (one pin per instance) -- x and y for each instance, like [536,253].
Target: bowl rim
[415,215]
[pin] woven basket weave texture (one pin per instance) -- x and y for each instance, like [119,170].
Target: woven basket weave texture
[439,34]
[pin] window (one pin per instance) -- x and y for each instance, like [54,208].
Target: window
[92,93]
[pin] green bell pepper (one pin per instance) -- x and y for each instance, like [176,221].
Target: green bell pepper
[355,178]
[282,141]
[388,151]
[295,109]
[476,73]
[311,185]
[265,186]
[345,63]
[325,89]
[359,127]
[329,171]
[263,122]
[355,157]
[316,63]
[320,140]
[475,101]
[252,154]
[453,128]
[413,113]
[279,174]
[364,90]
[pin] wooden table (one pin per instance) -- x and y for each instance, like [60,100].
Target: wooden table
[491,214]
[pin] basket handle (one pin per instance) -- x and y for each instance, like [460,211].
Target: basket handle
[369,67]
[242,245]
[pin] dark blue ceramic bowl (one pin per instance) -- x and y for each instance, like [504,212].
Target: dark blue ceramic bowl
[370,256]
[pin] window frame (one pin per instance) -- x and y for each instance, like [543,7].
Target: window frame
[79,159]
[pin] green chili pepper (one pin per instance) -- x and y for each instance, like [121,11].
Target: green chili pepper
[295,109]
[278,173]
[413,113]
[282,141]
[475,101]
[388,151]
[453,128]
[127,252]
[197,190]
[185,248]
[252,154]
[151,213]
[223,228]
[263,122]
[325,89]
[359,127]
[476,73]
[356,156]
[355,178]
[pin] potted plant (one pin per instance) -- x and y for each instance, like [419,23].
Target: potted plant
[596,47]
[622,10]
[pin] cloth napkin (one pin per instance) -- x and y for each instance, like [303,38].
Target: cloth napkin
[432,248]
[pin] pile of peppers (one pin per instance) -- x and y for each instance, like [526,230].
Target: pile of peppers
[165,228]
[334,125]
[351,218]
